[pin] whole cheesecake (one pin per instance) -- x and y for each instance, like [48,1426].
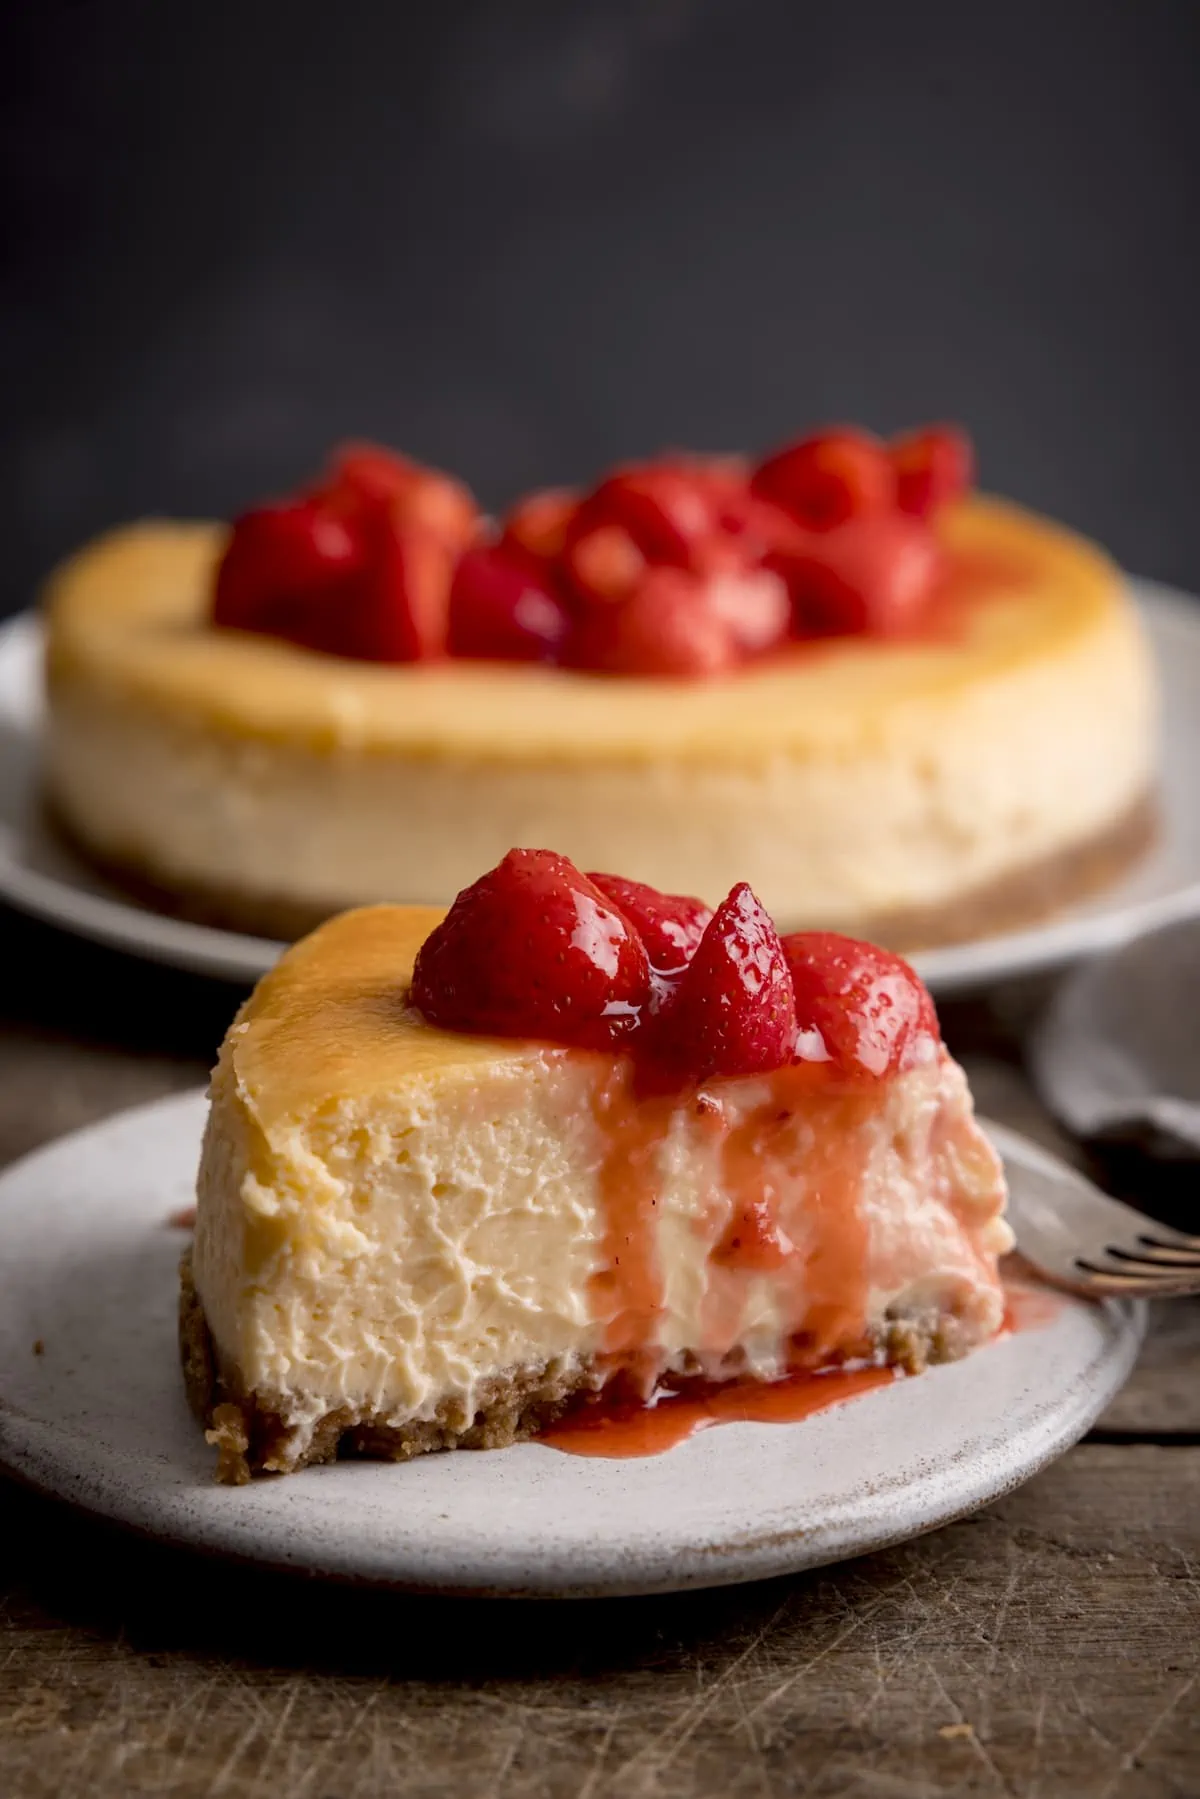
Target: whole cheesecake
[569,1142]
[991,758]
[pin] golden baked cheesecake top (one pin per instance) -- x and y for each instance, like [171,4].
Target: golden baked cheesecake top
[133,610]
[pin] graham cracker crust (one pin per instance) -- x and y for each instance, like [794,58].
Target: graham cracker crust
[250,1437]
[1021,898]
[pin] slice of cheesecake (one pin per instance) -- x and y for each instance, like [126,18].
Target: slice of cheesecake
[683,1149]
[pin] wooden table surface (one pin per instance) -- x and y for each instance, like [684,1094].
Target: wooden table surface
[1047,1646]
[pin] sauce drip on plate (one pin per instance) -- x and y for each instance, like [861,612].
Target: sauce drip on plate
[624,1428]
[637,1430]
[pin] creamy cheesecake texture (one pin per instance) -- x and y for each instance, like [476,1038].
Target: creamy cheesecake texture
[848,782]
[393,1219]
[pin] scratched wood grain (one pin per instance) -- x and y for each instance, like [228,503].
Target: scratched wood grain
[1048,1647]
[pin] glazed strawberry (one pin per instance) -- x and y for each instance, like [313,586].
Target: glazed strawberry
[538,525]
[669,924]
[367,474]
[725,483]
[284,568]
[504,607]
[604,564]
[758,527]
[665,511]
[858,1006]
[534,949]
[874,574]
[369,477]
[444,507]
[825,480]
[401,610]
[733,1012]
[754,603]
[933,466]
[670,625]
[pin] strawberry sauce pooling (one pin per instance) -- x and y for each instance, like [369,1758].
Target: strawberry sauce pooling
[618,1428]
[685,567]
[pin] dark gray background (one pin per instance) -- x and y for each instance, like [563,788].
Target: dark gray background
[523,239]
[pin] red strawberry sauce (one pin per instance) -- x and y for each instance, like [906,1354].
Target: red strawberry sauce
[813,1027]
[620,1428]
[612,1429]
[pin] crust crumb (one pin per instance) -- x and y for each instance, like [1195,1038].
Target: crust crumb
[231,1440]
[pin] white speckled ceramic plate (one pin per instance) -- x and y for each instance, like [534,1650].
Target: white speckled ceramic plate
[38,874]
[87,1269]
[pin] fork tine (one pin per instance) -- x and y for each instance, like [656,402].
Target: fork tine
[1167,1284]
[1158,1256]
[1170,1239]
[1141,1278]
[1067,1229]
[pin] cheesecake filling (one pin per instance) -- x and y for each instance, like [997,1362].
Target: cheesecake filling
[394,1254]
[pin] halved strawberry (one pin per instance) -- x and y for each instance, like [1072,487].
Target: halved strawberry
[933,466]
[725,483]
[670,925]
[368,474]
[670,625]
[872,574]
[858,1006]
[370,477]
[603,564]
[402,610]
[285,569]
[754,603]
[534,949]
[538,524]
[828,478]
[663,508]
[733,1012]
[504,607]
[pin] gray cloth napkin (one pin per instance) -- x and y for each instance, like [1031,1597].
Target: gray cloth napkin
[1117,1057]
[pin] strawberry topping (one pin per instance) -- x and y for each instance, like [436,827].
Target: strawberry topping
[825,480]
[538,524]
[504,606]
[536,949]
[604,564]
[733,1012]
[662,508]
[361,567]
[872,575]
[533,949]
[286,568]
[932,467]
[685,567]
[857,1006]
[366,478]
[669,924]
[672,623]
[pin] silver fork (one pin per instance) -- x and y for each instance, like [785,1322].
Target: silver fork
[1078,1238]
